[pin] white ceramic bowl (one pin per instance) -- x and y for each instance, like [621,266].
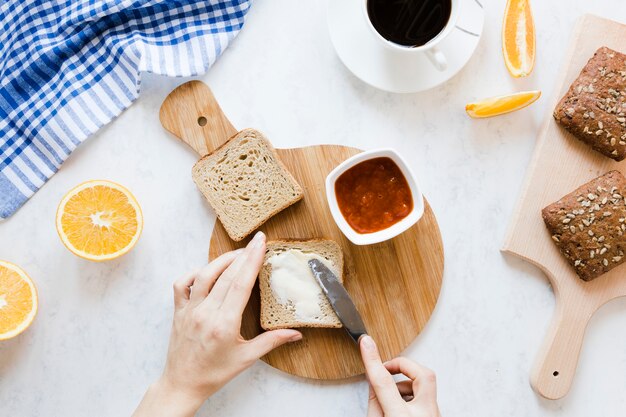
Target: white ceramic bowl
[390,232]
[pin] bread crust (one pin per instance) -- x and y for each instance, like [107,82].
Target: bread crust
[594,107]
[589,225]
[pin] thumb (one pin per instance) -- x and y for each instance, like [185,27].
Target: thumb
[268,341]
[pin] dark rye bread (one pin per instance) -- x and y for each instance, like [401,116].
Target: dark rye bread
[594,108]
[278,316]
[589,225]
[245,182]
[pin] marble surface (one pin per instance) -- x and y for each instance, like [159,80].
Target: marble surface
[101,334]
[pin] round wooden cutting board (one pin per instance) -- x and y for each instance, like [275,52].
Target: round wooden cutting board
[394,284]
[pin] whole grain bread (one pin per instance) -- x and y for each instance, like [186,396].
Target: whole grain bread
[589,225]
[594,108]
[282,316]
[245,182]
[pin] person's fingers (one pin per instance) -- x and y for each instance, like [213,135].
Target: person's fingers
[181,289]
[220,289]
[373,406]
[424,380]
[405,366]
[239,291]
[405,388]
[207,275]
[425,391]
[380,379]
[268,341]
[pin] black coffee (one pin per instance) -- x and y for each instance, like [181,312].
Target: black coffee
[409,22]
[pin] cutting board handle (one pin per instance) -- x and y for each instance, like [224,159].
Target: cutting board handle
[192,114]
[557,360]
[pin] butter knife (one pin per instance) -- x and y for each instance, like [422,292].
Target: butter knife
[339,299]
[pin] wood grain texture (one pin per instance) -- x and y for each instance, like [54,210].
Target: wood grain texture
[190,111]
[394,284]
[559,165]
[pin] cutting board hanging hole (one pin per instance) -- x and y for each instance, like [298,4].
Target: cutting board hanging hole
[555,374]
[202,121]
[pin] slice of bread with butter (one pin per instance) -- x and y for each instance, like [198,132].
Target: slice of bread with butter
[290,295]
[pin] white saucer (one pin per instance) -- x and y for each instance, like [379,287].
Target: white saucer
[392,70]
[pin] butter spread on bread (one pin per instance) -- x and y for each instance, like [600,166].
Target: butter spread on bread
[292,281]
[289,305]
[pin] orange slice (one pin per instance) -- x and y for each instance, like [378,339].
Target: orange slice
[495,106]
[18,300]
[99,220]
[518,38]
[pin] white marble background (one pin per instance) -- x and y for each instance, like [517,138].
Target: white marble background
[101,334]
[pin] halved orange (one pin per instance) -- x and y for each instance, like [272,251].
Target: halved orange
[99,220]
[18,300]
[495,106]
[518,38]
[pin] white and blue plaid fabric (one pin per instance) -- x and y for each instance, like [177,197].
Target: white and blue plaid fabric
[68,67]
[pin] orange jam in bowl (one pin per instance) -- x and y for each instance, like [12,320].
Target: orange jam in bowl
[373,195]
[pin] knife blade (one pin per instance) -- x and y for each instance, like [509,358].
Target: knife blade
[339,299]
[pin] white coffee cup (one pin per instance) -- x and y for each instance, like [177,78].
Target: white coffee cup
[436,57]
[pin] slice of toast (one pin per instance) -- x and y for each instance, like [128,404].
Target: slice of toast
[245,183]
[275,315]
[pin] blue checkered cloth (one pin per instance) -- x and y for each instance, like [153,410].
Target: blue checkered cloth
[68,67]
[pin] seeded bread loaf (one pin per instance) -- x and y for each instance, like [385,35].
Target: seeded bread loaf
[245,183]
[589,225]
[275,315]
[594,108]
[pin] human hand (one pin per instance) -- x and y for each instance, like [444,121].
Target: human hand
[206,348]
[416,397]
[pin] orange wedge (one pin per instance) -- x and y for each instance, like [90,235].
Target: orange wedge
[518,38]
[495,106]
[18,300]
[99,220]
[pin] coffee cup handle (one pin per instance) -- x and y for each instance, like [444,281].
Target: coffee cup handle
[437,58]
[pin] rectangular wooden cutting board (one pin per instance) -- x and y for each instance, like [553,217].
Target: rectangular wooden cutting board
[560,164]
